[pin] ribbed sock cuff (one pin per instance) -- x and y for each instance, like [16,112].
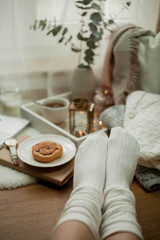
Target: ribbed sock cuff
[119,214]
[85,206]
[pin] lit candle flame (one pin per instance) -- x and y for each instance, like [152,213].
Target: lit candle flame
[80,133]
[100,123]
[105,92]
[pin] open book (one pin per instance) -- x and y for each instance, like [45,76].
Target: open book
[10,126]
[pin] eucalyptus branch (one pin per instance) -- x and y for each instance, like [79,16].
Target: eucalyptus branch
[90,33]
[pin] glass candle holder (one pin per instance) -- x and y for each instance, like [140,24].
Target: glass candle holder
[11,100]
[81,113]
[103,99]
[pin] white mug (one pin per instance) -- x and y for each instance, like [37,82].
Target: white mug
[55,110]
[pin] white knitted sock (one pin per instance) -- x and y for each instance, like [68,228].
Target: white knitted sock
[119,213]
[86,200]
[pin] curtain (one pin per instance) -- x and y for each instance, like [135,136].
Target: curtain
[39,65]
[27,57]
[144,13]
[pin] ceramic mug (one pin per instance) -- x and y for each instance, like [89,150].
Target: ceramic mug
[55,110]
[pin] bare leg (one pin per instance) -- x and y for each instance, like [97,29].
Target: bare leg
[123,236]
[72,230]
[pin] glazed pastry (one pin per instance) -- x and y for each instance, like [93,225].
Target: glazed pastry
[47,151]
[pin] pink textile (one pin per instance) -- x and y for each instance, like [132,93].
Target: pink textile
[122,70]
[109,62]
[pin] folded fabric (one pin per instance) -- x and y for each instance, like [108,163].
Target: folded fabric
[113,116]
[141,119]
[148,178]
[148,56]
[131,54]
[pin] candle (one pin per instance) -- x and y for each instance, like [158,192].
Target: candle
[100,123]
[81,133]
[81,117]
[105,92]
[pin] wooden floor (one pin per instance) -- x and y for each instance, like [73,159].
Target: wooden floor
[30,212]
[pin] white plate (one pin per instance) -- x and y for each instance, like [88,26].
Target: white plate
[25,150]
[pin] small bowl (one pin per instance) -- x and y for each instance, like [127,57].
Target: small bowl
[55,110]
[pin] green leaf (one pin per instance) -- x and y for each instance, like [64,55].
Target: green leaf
[98,35]
[96,6]
[84,14]
[89,56]
[83,66]
[128,3]
[65,31]
[91,44]
[89,52]
[80,37]
[75,49]
[84,31]
[92,27]
[34,26]
[79,2]
[42,24]
[48,33]
[105,24]
[55,30]
[85,2]
[96,38]
[69,39]
[83,8]
[61,39]
[89,60]
[111,21]
[101,31]
[96,18]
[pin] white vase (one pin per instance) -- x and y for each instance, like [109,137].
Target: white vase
[83,83]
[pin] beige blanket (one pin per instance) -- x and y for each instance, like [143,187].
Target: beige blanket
[132,56]
[158,22]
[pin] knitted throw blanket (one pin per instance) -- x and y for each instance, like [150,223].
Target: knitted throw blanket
[141,119]
[148,177]
[129,54]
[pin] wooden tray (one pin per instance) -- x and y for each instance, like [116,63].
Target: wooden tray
[56,175]
[32,112]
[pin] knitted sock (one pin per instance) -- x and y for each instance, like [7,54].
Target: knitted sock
[86,200]
[119,213]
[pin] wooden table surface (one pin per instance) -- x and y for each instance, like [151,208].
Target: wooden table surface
[30,212]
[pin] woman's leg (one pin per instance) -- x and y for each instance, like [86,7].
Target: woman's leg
[72,230]
[81,217]
[123,236]
[119,213]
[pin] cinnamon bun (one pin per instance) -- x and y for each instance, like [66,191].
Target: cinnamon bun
[47,151]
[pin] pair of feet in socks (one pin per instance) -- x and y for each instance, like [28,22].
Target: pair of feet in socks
[103,171]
